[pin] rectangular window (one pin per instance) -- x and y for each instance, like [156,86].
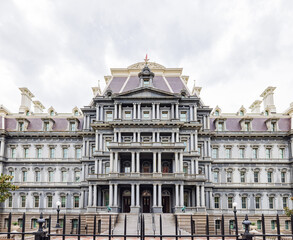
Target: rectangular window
[165,115]
[63,201]
[24,176]
[269,177]
[11,173]
[38,176]
[230,202]
[268,153]
[256,174]
[244,202]
[281,153]
[34,223]
[46,126]
[36,201]
[285,202]
[21,128]
[26,153]
[271,202]
[273,224]
[274,126]
[77,176]
[65,152]
[39,153]
[50,201]
[76,201]
[10,201]
[146,82]
[109,116]
[215,153]
[242,177]
[258,224]
[241,153]
[254,153]
[220,126]
[217,202]
[78,152]
[23,201]
[218,224]
[228,152]
[146,114]
[127,115]
[72,126]
[183,116]
[287,224]
[283,177]
[229,177]
[52,152]
[13,153]
[247,126]
[64,176]
[216,177]
[257,202]
[51,176]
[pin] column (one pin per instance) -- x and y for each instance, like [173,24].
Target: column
[172,111]
[191,115]
[181,195]
[154,137]
[102,113]
[97,141]
[193,197]
[88,122]
[98,113]
[132,195]
[176,195]
[99,196]
[90,202]
[138,137]
[116,162]
[195,141]
[100,166]
[95,195]
[111,162]
[115,194]
[206,170]
[192,166]
[132,162]
[158,137]
[160,195]
[134,110]
[211,199]
[96,166]
[137,195]
[159,162]
[196,166]
[101,142]
[154,195]
[177,111]
[115,110]
[191,142]
[2,148]
[158,111]
[134,137]
[110,195]
[153,111]
[173,137]
[138,111]
[115,136]
[154,162]
[176,162]
[195,113]
[119,137]
[208,122]
[202,196]
[87,149]
[137,163]
[209,148]
[120,111]
[197,196]
[177,136]
[204,122]
[181,161]
[82,199]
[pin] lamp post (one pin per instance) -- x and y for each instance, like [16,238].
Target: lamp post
[235,219]
[58,204]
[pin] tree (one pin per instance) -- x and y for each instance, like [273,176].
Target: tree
[6,186]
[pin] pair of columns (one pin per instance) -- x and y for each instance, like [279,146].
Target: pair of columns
[117,111]
[99,113]
[155,188]
[178,162]
[99,141]
[113,195]
[193,141]
[135,162]
[174,137]
[135,195]
[2,147]
[194,166]
[179,195]
[99,166]
[156,111]
[200,196]
[86,148]
[157,167]
[114,167]
[175,111]
[207,148]
[86,121]
[193,113]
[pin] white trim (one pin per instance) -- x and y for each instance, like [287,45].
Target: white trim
[121,90]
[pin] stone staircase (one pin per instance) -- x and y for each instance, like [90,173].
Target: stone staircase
[131,227]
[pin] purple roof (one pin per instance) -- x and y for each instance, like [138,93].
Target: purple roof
[176,84]
[116,84]
[133,82]
[160,83]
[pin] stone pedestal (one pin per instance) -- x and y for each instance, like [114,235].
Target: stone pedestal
[157,209]
[134,209]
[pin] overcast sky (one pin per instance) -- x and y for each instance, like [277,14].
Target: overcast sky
[60,49]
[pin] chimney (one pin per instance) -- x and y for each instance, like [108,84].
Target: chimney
[38,107]
[268,99]
[255,106]
[26,100]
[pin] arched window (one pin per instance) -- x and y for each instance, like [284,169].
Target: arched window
[166,167]
[146,167]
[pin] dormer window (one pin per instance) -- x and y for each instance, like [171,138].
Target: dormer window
[272,124]
[72,126]
[245,124]
[76,113]
[146,83]
[217,113]
[21,126]
[46,126]
[241,113]
[52,113]
[220,124]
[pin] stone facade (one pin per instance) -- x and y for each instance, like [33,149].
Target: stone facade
[147,144]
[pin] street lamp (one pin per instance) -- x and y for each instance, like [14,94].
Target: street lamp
[235,219]
[58,204]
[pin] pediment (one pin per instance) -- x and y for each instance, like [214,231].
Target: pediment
[145,93]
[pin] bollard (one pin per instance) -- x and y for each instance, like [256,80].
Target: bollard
[246,235]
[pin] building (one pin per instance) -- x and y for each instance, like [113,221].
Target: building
[147,144]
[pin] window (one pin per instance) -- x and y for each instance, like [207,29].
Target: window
[38,176]
[271,202]
[46,126]
[254,153]
[269,177]
[244,202]
[23,201]
[287,224]
[230,202]
[26,153]
[283,177]
[51,176]
[24,176]
[273,224]
[146,114]
[257,202]
[109,116]
[218,224]
[268,153]
[76,113]
[72,127]
[220,126]
[21,126]
[49,201]
[13,152]
[77,176]
[216,177]
[183,116]
[34,223]
[216,113]
[247,126]
[127,114]
[74,223]
[229,176]
[241,153]
[10,201]
[36,201]
[231,224]
[63,201]
[242,177]
[255,176]
[51,113]
[241,113]
[11,173]
[107,168]
[281,153]
[65,152]
[106,198]
[273,126]
[78,153]
[258,223]
[64,176]
[285,202]
[76,201]
[165,115]
[39,153]
[217,202]
[146,83]
[215,153]
[52,152]
[228,152]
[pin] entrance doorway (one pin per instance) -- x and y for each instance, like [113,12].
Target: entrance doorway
[166,201]
[126,201]
[146,202]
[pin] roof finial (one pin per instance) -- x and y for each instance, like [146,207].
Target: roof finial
[146,59]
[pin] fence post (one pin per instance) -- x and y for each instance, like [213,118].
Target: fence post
[176,227]
[40,234]
[292,224]
[23,226]
[95,225]
[223,227]
[49,227]
[278,227]
[9,225]
[246,235]
[161,230]
[78,237]
[125,226]
[207,228]
[263,226]
[191,225]
[110,223]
